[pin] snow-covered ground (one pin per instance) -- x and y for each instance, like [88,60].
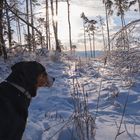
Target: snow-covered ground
[86,96]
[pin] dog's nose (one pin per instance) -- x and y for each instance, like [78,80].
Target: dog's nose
[53,79]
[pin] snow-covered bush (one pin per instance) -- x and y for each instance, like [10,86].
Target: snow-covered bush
[126,63]
[113,90]
[125,54]
[85,68]
[55,56]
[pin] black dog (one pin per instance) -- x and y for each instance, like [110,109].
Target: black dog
[15,96]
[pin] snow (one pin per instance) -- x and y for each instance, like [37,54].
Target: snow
[81,85]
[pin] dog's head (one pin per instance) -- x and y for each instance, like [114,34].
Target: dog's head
[30,75]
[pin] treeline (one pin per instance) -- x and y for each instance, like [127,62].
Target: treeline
[100,24]
[20,25]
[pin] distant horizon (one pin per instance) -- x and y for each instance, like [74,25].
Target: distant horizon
[82,53]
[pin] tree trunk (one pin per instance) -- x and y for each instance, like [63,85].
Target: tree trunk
[28,28]
[93,44]
[123,33]
[108,33]
[53,23]
[56,21]
[32,22]
[85,44]
[19,31]
[54,28]
[47,25]
[90,44]
[1,27]
[9,28]
[102,28]
[48,40]
[103,38]
[2,43]
[70,41]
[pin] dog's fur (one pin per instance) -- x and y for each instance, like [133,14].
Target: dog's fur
[13,103]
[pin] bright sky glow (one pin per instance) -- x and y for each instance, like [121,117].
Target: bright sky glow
[76,21]
[92,9]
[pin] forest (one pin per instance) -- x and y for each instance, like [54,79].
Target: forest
[21,27]
[93,97]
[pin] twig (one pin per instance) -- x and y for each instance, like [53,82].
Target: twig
[118,132]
